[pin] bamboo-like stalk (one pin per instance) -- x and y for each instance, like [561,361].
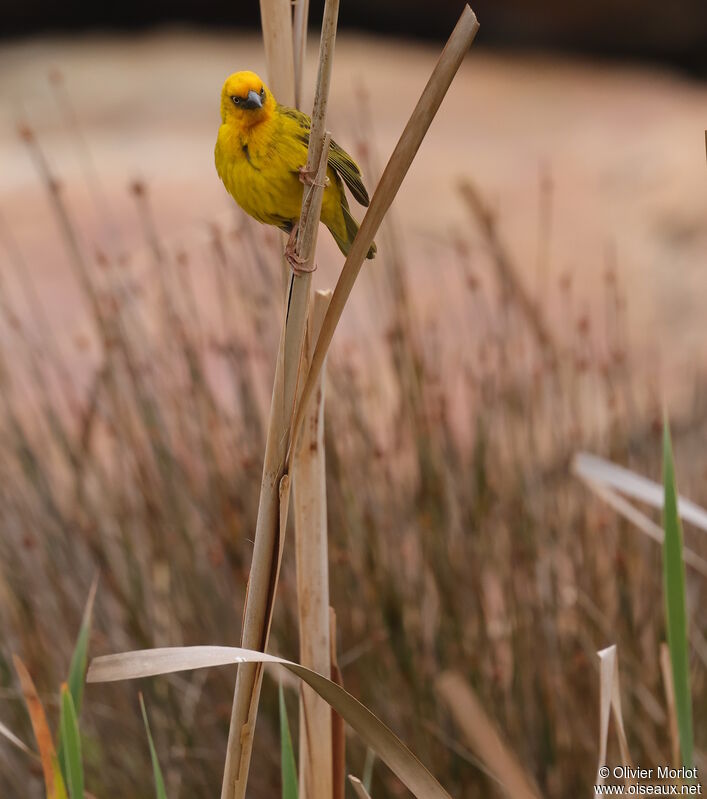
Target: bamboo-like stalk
[310,511]
[274,491]
[390,182]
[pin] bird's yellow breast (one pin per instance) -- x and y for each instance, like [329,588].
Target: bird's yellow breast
[259,167]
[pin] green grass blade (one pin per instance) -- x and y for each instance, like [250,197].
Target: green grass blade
[77,668]
[79,659]
[160,791]
[71,749]
[675,604]
[288,765]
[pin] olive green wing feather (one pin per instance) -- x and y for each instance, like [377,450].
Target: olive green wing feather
[339,160]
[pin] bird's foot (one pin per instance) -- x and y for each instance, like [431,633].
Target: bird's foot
[297,263]
[309,178]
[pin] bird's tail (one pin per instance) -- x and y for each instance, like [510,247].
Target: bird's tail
[351,231]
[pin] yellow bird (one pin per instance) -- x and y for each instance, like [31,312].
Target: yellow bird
[260,154]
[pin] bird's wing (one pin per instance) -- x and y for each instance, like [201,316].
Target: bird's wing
[339,160]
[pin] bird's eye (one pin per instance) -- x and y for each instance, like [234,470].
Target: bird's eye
[236,100]
[262,92]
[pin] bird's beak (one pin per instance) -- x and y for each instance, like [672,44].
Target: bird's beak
[253,101]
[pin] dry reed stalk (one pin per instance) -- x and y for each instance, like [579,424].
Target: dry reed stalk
[481,735]
[276,19]
[509,279]
[270,526]
[300,45]
[107,324]
[104,214]
[338,733]
[274,493]
[390,182]
[76,256]
[310,510]
[53,353]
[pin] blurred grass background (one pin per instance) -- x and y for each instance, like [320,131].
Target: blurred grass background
[549,305]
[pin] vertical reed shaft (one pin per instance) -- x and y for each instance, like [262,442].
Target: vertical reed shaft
[310,511]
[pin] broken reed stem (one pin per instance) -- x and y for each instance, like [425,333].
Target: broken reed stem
[393,175]
[274,491]
[311,545]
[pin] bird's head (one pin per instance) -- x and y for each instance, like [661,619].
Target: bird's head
[245,100]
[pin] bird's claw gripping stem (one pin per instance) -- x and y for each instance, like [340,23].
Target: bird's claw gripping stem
[298,265]
[309,178]
[296,262]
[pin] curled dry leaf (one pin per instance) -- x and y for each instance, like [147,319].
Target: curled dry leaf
[389,748]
